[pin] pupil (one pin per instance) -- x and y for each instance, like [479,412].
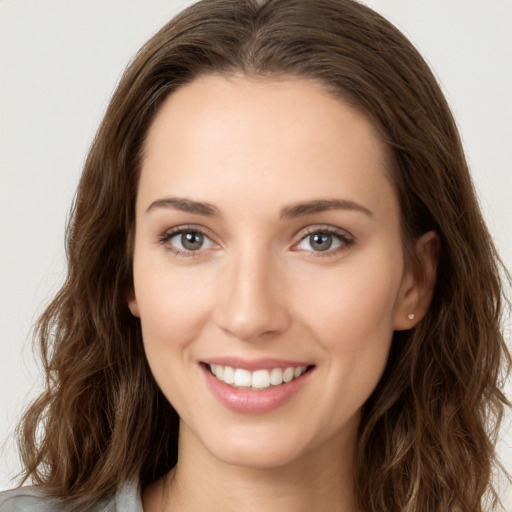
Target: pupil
[321,242]
[192,241]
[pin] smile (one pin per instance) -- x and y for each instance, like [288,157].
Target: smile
[255,387]
[257,380]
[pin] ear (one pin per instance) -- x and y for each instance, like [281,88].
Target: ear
[418,283]
[133,306]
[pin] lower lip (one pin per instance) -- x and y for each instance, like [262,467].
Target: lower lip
[253,402]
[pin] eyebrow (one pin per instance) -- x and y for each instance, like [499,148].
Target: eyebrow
[322,205]
[296,210]
[185,205]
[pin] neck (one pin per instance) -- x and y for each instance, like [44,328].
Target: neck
[318,480]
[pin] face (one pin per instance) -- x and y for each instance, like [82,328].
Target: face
[268,252]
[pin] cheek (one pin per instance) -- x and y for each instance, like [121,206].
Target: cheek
[352,300]
[173,305]
[351,315]
[173,308]
[352,322]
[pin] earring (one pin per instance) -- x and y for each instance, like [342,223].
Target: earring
[410,316]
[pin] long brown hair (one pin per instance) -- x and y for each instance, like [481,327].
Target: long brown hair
[428,431]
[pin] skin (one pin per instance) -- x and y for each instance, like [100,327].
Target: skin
[253,149]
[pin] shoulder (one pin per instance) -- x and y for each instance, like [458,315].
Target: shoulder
[27,499]
[33,499]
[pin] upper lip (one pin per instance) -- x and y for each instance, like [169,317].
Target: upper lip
[265,363]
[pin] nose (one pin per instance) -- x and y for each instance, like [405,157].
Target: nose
[252,303]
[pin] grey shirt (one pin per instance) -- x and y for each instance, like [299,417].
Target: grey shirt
[31,499]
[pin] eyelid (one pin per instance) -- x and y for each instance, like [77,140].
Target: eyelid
[346,238]
[170,233]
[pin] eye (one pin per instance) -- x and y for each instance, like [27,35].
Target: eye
[324,240]
[184,241]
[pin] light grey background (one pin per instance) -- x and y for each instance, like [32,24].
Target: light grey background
[59,64]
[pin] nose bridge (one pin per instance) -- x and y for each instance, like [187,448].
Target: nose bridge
[251,304]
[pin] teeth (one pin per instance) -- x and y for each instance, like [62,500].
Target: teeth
[259,379]
[242,378]
[276,377]
[229,375]
[288,375]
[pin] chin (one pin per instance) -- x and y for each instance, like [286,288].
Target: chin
[256,456]
[255,448]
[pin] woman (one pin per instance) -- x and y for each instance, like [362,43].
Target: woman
[276,233]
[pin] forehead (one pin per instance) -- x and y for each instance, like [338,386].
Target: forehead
[231,133]
[234,98]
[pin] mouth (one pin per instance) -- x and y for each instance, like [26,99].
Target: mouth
[256,386]
[257,380]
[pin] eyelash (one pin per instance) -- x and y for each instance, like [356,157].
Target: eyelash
[165,237]
[346,240]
